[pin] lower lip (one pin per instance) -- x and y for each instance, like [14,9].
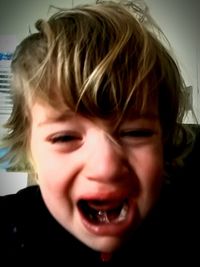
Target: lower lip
[113,229]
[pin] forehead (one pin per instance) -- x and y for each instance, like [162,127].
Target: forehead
[40,110]
[42,113]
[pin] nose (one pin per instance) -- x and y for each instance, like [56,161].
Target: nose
[105,161]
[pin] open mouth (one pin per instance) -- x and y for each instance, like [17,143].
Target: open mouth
[103,212]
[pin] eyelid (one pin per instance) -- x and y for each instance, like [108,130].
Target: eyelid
[67,135]
[62,138]
[140,132]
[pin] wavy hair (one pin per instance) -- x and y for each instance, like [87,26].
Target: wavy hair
[104,60]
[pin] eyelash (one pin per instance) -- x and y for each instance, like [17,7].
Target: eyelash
[132,133]
[144,133]
[63,138]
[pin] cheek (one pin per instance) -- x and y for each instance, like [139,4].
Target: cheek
[148,165]
[56,172]
[151,179]
[51,169]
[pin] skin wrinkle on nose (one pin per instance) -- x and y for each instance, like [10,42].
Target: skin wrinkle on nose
[112,141]
[111,144]
[112,163]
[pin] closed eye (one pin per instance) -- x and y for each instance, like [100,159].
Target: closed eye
[137,133]
[64,138]
[65,142]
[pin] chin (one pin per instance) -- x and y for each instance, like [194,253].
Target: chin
[105,244]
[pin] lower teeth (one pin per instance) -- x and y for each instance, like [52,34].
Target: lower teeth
[103,216]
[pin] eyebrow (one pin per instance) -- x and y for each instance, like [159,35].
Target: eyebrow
[145,115]
[69,114]
[63,116]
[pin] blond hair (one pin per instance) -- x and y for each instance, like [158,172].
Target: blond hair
[103,60]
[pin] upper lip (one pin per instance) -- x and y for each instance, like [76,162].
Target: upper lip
[105,200]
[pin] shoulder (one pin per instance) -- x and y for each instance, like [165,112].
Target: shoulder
[16,209]
[24,192]
[26,224]
[19,201]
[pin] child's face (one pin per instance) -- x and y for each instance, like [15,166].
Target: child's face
[97,183]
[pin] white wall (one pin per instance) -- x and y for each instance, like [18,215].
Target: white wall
[17,16]
[180,21]
[11,182]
